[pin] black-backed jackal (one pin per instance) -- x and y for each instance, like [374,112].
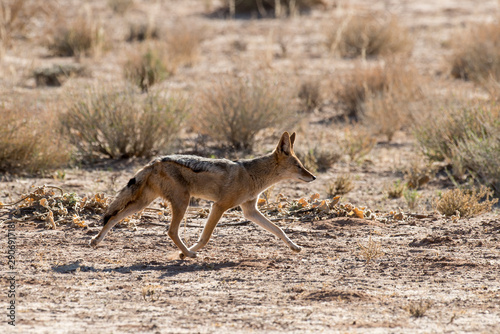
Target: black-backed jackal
[227,183]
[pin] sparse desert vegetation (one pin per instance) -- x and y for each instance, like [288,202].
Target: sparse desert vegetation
[395,109]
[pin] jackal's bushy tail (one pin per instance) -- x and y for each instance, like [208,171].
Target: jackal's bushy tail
[127,194]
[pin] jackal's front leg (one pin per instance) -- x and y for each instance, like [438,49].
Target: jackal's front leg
[251,212]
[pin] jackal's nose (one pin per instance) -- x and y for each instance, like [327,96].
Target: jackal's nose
[314,178]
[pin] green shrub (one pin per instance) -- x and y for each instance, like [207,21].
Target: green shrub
[468,139]
[122,124]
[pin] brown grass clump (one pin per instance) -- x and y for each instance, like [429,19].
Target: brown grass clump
[340,186]
[29,141]
[369,35]
[122,124]
[418,310]
[477,53]
[148,65]
[382,97]
[82,36]
[234,110]
[467,203]
[371,250]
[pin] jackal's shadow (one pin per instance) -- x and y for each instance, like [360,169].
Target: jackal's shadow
[170,269]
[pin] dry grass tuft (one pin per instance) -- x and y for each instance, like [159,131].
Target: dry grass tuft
[382,96]
[148,65]
[122,124]
[83,36]
[235,110]
[340,186]
[29,141]
[319,159]
[369,35]
[467,203]
[418,310]
[371,250]
[477,53]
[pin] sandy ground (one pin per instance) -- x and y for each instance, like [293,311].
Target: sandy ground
[246,280]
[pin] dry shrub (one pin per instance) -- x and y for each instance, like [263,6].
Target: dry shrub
[418,310]
[369,35]
[266,8]
[477,53]
[468,203]
[122,124]
[29,141]
[468,139]
[82,36]
[382,97]
[340,186]
[148,65]
[371,250]
[234,110]
[319,159]
[310,94]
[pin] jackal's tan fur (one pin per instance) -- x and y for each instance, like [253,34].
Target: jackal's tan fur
[177,178]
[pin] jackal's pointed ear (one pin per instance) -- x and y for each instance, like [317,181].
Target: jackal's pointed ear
[292,139]
[284,145]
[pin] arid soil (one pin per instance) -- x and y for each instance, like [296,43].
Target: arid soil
[420,274]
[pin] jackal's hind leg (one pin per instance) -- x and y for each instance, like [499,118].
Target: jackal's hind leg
[214,217]
[179,207]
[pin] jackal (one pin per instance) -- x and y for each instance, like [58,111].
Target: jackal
[227,183]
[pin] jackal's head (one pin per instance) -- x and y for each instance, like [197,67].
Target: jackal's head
[289,166]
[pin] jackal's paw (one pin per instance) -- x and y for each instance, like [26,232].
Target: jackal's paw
[295,248]
[190,254]
[93,242]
